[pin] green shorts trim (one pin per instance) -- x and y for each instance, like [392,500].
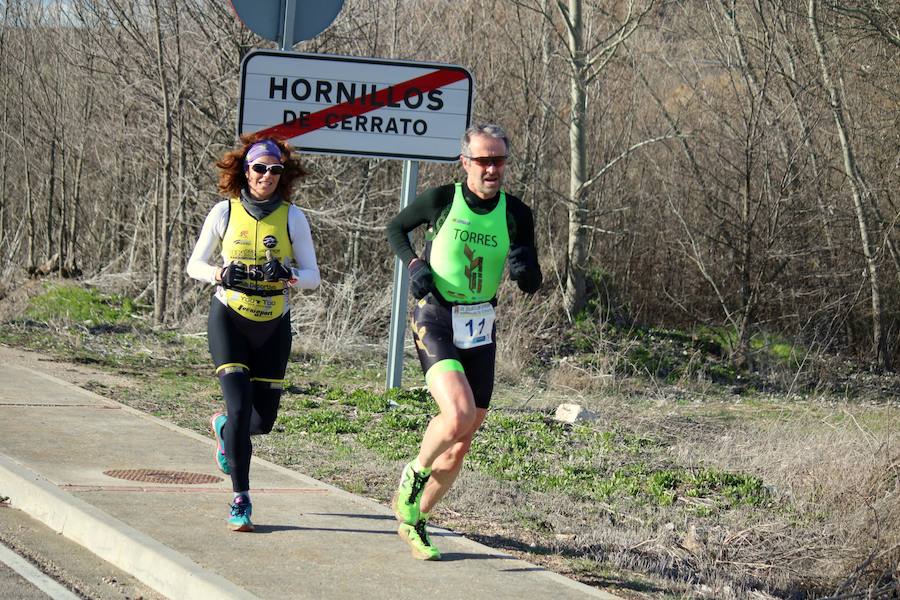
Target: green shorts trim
[443,366]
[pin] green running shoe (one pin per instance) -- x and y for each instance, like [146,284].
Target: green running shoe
[419,542]
[239,520]
[216,423]
[409,494]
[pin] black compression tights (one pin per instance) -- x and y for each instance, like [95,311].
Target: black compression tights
[252,408]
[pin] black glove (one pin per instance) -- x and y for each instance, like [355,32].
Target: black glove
[421,281]
[521,258]
[255,273]
[234,274]
[273,270]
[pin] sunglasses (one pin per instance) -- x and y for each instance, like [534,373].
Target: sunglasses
[263,168]
[487,161]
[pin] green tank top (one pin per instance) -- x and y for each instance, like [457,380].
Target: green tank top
[469,251]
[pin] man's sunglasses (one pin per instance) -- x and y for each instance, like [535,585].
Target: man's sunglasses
[486,161]
[263,168]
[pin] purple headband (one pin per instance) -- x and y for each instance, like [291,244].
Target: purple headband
[263,148]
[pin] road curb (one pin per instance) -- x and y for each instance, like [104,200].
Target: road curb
[158,566]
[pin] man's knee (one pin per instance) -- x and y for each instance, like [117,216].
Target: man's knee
[460,422]
[459,450]
[263,427]
[238,395]
[453,457]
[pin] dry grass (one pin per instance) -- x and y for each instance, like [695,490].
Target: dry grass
[832,467]
[335,320]
[840,480]
[525,328]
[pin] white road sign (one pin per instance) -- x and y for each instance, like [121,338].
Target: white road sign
[356,106]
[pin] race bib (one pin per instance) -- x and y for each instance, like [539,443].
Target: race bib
[472,325]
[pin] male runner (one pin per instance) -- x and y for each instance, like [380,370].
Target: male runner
[474,228]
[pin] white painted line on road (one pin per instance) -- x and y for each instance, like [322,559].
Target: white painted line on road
[34,576]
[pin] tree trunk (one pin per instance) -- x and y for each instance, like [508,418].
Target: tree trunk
[63,208]
[51,192]
[4,153]
[4,165]
[351,257]
[29,200]
[71,263]
[857,188]
[179,231]
[165,230]
[574,297]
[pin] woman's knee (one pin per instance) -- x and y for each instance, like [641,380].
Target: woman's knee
[267,398]
[238,396]
[263,426]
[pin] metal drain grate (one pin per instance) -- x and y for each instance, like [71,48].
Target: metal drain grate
[158,476]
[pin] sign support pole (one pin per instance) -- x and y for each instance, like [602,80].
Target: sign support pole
[401,286]
[287,36]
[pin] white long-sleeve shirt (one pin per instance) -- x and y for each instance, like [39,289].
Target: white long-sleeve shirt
[206,259]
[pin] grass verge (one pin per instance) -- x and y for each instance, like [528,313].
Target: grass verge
[671,491]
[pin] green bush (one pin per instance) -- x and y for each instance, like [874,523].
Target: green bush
[74,304]
[321,421]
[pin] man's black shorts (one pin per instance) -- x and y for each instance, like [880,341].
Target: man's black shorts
[432,330]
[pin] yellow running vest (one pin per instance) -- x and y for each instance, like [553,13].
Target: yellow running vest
[246,240]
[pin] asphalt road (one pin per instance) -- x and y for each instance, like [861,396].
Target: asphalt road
[54,567]
[13,585]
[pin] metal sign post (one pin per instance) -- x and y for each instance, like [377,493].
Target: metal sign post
[401,286]
[287,37]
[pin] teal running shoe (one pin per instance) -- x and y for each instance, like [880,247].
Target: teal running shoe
[419,542]
[240,514]
[409,495]
[217,423]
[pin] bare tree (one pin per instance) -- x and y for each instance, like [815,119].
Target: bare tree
[587,59]
[741,222]
[882,17]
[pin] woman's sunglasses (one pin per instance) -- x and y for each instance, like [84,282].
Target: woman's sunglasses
[486,161]
[263,168]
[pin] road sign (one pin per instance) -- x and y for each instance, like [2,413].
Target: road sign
[356,106]
[305,19]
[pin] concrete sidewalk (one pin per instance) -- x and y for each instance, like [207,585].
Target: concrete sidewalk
[91,469]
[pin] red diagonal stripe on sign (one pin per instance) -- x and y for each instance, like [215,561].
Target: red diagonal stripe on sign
[317,120]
